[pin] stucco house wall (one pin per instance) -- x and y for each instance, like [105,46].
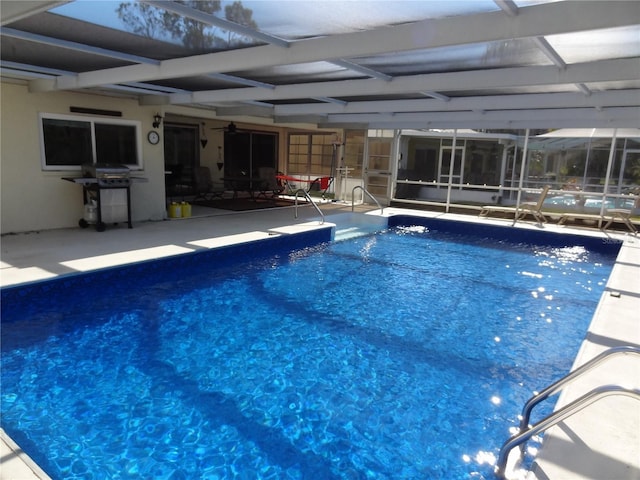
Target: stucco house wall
[32,199]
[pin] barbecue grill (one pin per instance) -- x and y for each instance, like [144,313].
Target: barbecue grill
[106,194]
[108,175]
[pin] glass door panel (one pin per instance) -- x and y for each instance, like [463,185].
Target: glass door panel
[629,176]
[377,178]
[445,165]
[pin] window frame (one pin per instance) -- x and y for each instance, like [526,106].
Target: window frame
[318,156]
[92,121]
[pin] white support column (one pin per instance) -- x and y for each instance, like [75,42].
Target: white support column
[513,170]
[612,153]
[503,169]
[522,169]
[451,165]
[586,163]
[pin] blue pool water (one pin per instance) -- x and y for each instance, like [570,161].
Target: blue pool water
[405,354]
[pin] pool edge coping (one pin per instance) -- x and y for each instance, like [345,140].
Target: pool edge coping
[16,464]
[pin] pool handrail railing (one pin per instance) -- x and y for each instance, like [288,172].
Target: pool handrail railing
[556,417]
[571,376]
[526,431]
[366,192]
[306,195]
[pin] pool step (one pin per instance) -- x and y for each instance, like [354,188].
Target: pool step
[353,225]
[351,232]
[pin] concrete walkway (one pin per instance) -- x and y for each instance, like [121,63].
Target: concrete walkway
[601,442]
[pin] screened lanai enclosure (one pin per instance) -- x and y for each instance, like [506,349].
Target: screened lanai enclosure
[585,168]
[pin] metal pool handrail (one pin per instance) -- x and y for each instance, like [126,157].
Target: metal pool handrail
[370,196]
[558,416]
[526,432]
[304,192]
[557,386]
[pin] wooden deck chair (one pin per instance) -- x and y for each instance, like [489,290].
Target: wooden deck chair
[610,216]
[524,209]
[534,208]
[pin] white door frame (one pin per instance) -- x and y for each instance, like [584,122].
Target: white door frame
[378,176]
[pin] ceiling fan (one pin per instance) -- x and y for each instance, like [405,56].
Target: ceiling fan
[230,129]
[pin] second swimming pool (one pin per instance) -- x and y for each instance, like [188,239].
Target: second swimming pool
[403,354]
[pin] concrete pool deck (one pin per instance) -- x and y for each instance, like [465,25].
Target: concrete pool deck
[602,441]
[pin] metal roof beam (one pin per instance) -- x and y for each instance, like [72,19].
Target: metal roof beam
[548,118]
[335,101]
[360,69]
[628,113]
[550,52]
[37,69]
[436,95]
[601,71]
[508,6]
[614,98]
[251,110]
[506,125]
[75,46]
[12,11]
[317,119]
[241,81]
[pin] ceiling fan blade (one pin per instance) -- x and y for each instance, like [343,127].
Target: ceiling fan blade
[231,128]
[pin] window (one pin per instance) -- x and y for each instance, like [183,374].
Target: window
[298,154]
[311,154]
[69,142]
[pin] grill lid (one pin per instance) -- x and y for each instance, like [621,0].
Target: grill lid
[105,170]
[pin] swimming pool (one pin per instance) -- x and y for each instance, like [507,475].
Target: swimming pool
[404,354]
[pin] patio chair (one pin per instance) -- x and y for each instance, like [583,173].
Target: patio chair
[524,209]
[322,184]
[269,183]
[204,186]
[176,184]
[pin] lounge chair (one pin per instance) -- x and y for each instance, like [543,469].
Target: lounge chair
[612,215]
[524,209]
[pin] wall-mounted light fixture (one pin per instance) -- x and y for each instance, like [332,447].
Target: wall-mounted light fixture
[157,120]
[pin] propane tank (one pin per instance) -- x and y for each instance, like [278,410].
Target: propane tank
[175,210]
[91,212]
[186,209]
